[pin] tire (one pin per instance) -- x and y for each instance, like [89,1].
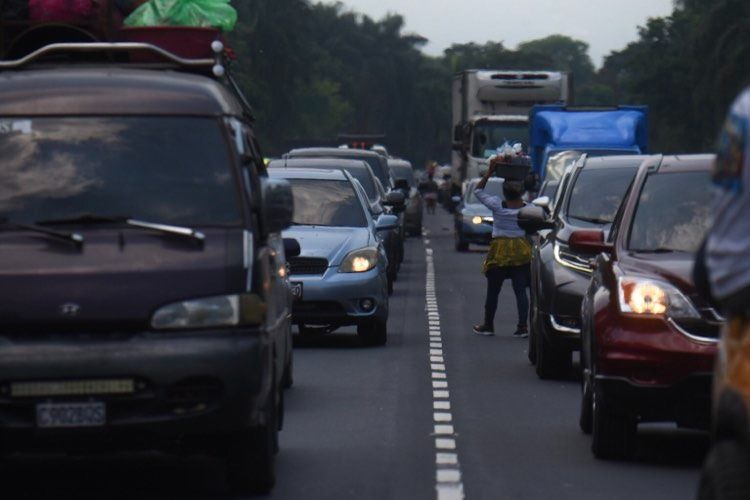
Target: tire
[613,434]
[251,464]
[288,381]
[551,363]
[374,332]
[533,332]
[461,245]
[586,417]
[725,472]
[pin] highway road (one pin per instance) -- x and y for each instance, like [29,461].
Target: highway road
[437,413]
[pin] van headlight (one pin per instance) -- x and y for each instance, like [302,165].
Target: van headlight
[647,297]
[210,312]
[360,261]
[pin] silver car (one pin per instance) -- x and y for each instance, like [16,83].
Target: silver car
[339,278]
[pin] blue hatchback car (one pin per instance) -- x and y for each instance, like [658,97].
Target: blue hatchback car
[340,277]
[473,221]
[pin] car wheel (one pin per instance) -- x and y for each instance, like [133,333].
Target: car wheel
[551,363]
[461,245]
[288,380]
[251,462]
[532,336]
[613,434]
[724,475]
[373,332]
[585,419]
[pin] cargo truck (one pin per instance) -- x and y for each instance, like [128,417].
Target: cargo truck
[491,107]
[561,134]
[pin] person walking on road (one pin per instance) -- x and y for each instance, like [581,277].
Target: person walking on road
[429,191]
[509,256]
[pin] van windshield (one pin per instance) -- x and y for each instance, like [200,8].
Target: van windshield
[170,170]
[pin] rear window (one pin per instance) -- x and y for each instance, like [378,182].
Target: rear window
[403,172]
[673,213]
[326,203]
[597,194]
[160,169]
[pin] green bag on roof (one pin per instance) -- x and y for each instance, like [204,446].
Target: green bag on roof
[198,13]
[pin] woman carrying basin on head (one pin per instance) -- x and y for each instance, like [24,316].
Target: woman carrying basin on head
[509,256]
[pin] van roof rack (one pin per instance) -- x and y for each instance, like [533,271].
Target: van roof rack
[217,66]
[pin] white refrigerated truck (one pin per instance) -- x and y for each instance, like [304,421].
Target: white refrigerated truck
[491,107]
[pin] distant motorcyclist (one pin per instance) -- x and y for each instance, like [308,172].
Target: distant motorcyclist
[509,256]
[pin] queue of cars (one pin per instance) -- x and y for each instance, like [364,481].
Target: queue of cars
[166,262]
[612,278]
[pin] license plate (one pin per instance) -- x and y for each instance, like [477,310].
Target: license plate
[67,415]
[296,289]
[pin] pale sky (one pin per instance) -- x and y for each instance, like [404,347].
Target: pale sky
[606,25]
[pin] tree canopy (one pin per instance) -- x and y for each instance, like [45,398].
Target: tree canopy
[313,71]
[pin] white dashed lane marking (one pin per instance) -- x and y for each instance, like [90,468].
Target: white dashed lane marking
[448,485]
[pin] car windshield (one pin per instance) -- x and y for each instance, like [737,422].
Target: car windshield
[170,170]
[319,202]
[488,136]
[365,178]
[558,162]
[597,194]
[493,187]
[673,213]
[403,172]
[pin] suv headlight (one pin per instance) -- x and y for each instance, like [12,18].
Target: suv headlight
[566,258]
[210,312]
[360,261]
[647,297]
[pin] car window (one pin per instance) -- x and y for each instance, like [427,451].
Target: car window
[673,212]
[403,172]
[170,170]
[558,162]
[596,194]
[319,202]
[367,181]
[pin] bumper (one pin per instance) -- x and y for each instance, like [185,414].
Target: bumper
[687,402]
[336,298]
[475,233]
[183,384]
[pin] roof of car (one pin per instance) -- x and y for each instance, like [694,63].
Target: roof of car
[618,161]
[397,162]
[308,173]
[99,90]
[332,152]
[681,163]
[319,163]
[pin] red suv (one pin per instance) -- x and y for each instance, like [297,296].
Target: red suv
[648,339]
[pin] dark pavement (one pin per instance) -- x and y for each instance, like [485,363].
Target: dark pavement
[359,420]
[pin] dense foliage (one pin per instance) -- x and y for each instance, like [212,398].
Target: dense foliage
[314,71]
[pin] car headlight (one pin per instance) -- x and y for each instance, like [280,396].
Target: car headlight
[476,219]
[210,312]
[643,296]
[566,258]
[360,261]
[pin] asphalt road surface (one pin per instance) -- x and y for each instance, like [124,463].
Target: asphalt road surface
[436,413]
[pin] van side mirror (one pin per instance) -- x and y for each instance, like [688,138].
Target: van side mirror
[291,248]
[278,205]
[588,241]
[532,219]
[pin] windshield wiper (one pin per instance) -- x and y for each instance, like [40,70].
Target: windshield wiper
[74,238]
[87,219]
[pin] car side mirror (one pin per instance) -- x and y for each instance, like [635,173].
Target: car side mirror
[542,201]
[588,241]
[532,219]
[291,248]
[395,199]
[386,223]
[403,185]
[278,205]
